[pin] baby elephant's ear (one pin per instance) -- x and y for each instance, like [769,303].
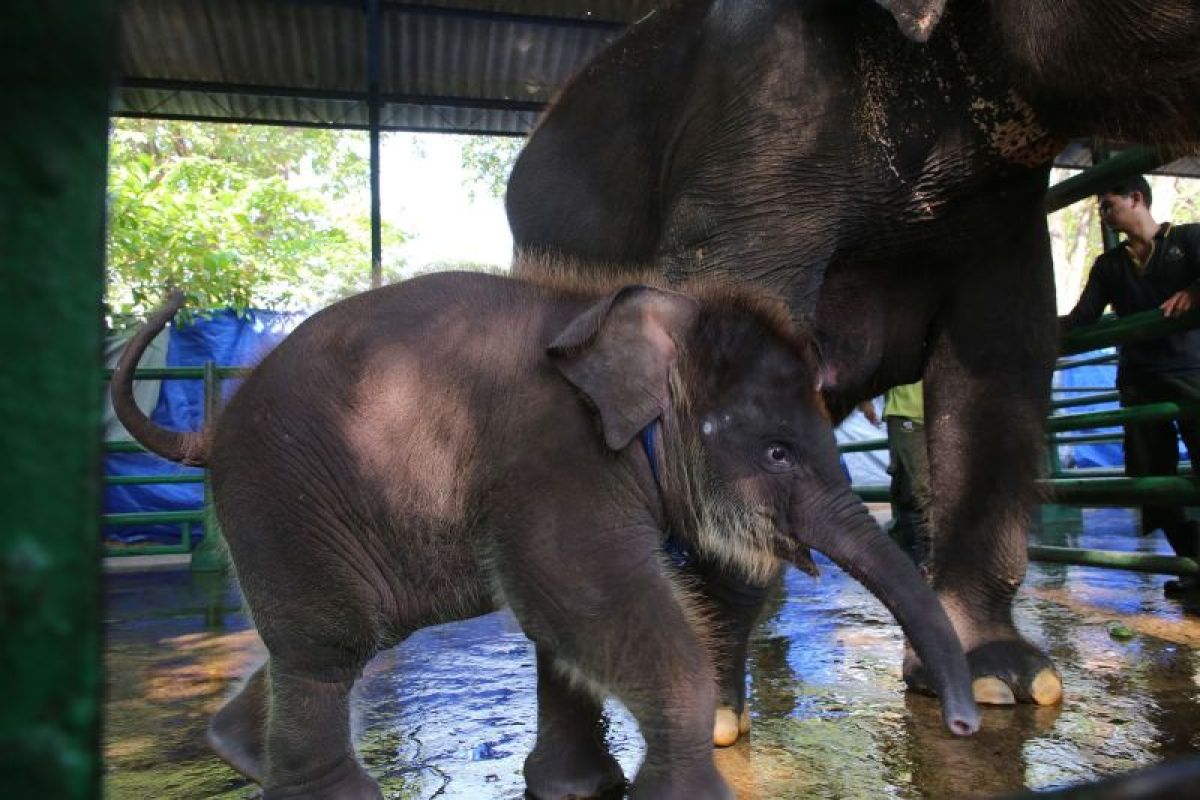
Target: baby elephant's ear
[619,353]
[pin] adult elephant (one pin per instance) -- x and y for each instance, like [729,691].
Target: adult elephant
[882,165]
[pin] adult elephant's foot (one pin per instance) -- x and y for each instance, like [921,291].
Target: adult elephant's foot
[557,773]
[729,725]
[1003,672]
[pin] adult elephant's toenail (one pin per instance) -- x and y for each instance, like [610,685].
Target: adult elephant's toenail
[992,691]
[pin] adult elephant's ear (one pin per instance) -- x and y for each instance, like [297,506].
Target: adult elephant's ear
[917,18]
[619,354]
[587,181]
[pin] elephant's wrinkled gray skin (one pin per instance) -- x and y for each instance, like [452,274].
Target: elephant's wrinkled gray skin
[428,451]
[885,174]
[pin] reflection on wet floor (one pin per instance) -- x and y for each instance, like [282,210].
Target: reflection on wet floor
[451,713]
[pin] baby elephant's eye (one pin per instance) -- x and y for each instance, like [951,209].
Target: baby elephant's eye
[778,456]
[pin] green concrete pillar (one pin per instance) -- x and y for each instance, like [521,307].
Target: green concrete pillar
[57,59]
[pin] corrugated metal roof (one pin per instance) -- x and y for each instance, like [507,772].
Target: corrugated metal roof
[467,66]
[453,66]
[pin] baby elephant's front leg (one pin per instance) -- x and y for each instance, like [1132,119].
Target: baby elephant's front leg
[622,627]
[570,758]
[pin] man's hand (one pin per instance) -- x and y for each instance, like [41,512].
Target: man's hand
[1181,302]
[867,407]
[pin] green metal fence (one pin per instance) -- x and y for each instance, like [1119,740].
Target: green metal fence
[208,554]
[1099,487]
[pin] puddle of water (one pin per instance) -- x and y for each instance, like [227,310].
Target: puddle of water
[451,713]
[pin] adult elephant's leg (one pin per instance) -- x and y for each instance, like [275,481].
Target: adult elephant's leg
[987,386]
[570,758]
[734,606]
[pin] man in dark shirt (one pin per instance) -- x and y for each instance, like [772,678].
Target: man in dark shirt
[1157,266]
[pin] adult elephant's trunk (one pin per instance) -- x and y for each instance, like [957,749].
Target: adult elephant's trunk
[181,447]
[839,525]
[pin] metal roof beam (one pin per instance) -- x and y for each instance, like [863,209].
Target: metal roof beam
[505,16]
[335,126]
[471,13]
[203,87]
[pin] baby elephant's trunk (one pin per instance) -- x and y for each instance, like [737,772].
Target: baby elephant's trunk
[847,533]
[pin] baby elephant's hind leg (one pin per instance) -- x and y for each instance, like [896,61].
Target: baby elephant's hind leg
[236,732]
[308,750]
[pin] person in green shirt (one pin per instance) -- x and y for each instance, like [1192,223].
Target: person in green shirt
[904,415]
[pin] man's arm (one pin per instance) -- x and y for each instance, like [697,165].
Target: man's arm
[867,409]
[1187,298]
[1091,303]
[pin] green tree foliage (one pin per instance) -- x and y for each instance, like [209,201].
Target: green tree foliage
[489,160]
[238,216]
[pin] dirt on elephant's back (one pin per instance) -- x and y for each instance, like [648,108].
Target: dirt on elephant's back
[452,712]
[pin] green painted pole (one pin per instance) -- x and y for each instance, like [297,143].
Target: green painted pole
[57,57]
[210,554]
[1115,559]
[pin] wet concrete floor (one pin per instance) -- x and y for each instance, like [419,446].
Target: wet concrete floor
[451,713]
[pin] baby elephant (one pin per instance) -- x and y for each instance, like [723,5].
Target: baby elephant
[436,449]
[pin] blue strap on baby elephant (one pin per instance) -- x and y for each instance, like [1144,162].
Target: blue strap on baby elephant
[676,549]
[648,446]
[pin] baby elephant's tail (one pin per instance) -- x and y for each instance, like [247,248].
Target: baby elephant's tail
[183,447]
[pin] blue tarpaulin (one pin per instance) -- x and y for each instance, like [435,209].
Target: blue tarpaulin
[1103,378]
[225,339]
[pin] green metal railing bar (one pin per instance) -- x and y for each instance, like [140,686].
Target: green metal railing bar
[149,550]
[864,446]
[1072,363]
[1114,559]
[1096,179]
[1124,491]
[1185,469]
[1091,492]
[1089,400]
[1088,438]
[1133,328]
[180,373]
[209,554]
[124,447]
[152,517]
[150,480]
[1108,419]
